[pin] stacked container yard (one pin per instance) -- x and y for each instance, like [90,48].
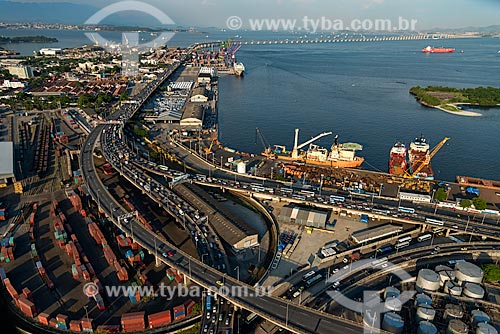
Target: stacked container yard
[3,214]
[109,255]
[159,319]
[7,250]
[133,321]
[179,312]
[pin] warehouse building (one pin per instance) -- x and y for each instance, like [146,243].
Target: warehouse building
[303,216]
[6,162]
[375,233]
[206,75]
[192,118]
[199,95]
[232,229]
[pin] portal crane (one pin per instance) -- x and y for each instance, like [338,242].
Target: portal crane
[297,147]
[209,149]
[428,158]
[268,152]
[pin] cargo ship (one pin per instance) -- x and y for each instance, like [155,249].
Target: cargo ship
[418,153]
[398,164]
[340,155]
[239,69]
[431,49]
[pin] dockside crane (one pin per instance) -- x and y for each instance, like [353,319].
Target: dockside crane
[268,151]
[297,147]
[428,158]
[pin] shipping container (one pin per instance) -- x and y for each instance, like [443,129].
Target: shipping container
[159,319]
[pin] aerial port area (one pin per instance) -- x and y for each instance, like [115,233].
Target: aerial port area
[122,211]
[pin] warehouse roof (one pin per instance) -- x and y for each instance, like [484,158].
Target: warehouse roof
[7,160]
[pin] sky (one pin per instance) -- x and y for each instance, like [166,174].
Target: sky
[429,13]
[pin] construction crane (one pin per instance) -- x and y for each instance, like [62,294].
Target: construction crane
[209,149]
[297,147]
[428,158]
[268,151]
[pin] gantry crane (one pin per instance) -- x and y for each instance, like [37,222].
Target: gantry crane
[427,160]
[268,151]
[297,147]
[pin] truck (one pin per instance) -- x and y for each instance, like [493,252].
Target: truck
[352,257]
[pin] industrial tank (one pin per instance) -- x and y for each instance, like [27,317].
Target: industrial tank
[452,311]
[445,276]
[393,323]
[393,304]
[453,288]
[428,280]
[425,312]
[442,268]
[391,291]
[242,167]
[457,327]
[426,327]
[473,290]
[484,328]
[468,272]
[478,316]
[422,299]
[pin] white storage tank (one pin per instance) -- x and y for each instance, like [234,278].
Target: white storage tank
[242,167]
[445,276]
[452,311]
[393,323]
[478,316]
[484,328]
[428,280]
[453,288]
[422,299]
[457,327]
[393,304]
[426,327]
[442,268]
[468,272]
[473,290]
[425,312]
[391,291]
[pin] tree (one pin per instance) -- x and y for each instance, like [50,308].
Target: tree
[479,203]
[491,273]
[441,195]
[140,132]
[465,203]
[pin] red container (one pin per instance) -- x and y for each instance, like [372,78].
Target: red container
[108,329]
[160,319]
[26,306]
[134,320]
[74,325]
[44,318]
[86,324]
[53,322]
[179,278]
[189,304]
[27,294]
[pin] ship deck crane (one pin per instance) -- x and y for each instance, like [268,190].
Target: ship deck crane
[297,147]
[268,152]
[428,158]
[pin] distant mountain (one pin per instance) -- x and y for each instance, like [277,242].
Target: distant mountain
[52,12]
[67,13]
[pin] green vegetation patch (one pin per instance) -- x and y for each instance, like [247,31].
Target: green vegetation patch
[437,95]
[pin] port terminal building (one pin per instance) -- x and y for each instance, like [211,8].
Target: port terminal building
[303,216]
[6,162]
